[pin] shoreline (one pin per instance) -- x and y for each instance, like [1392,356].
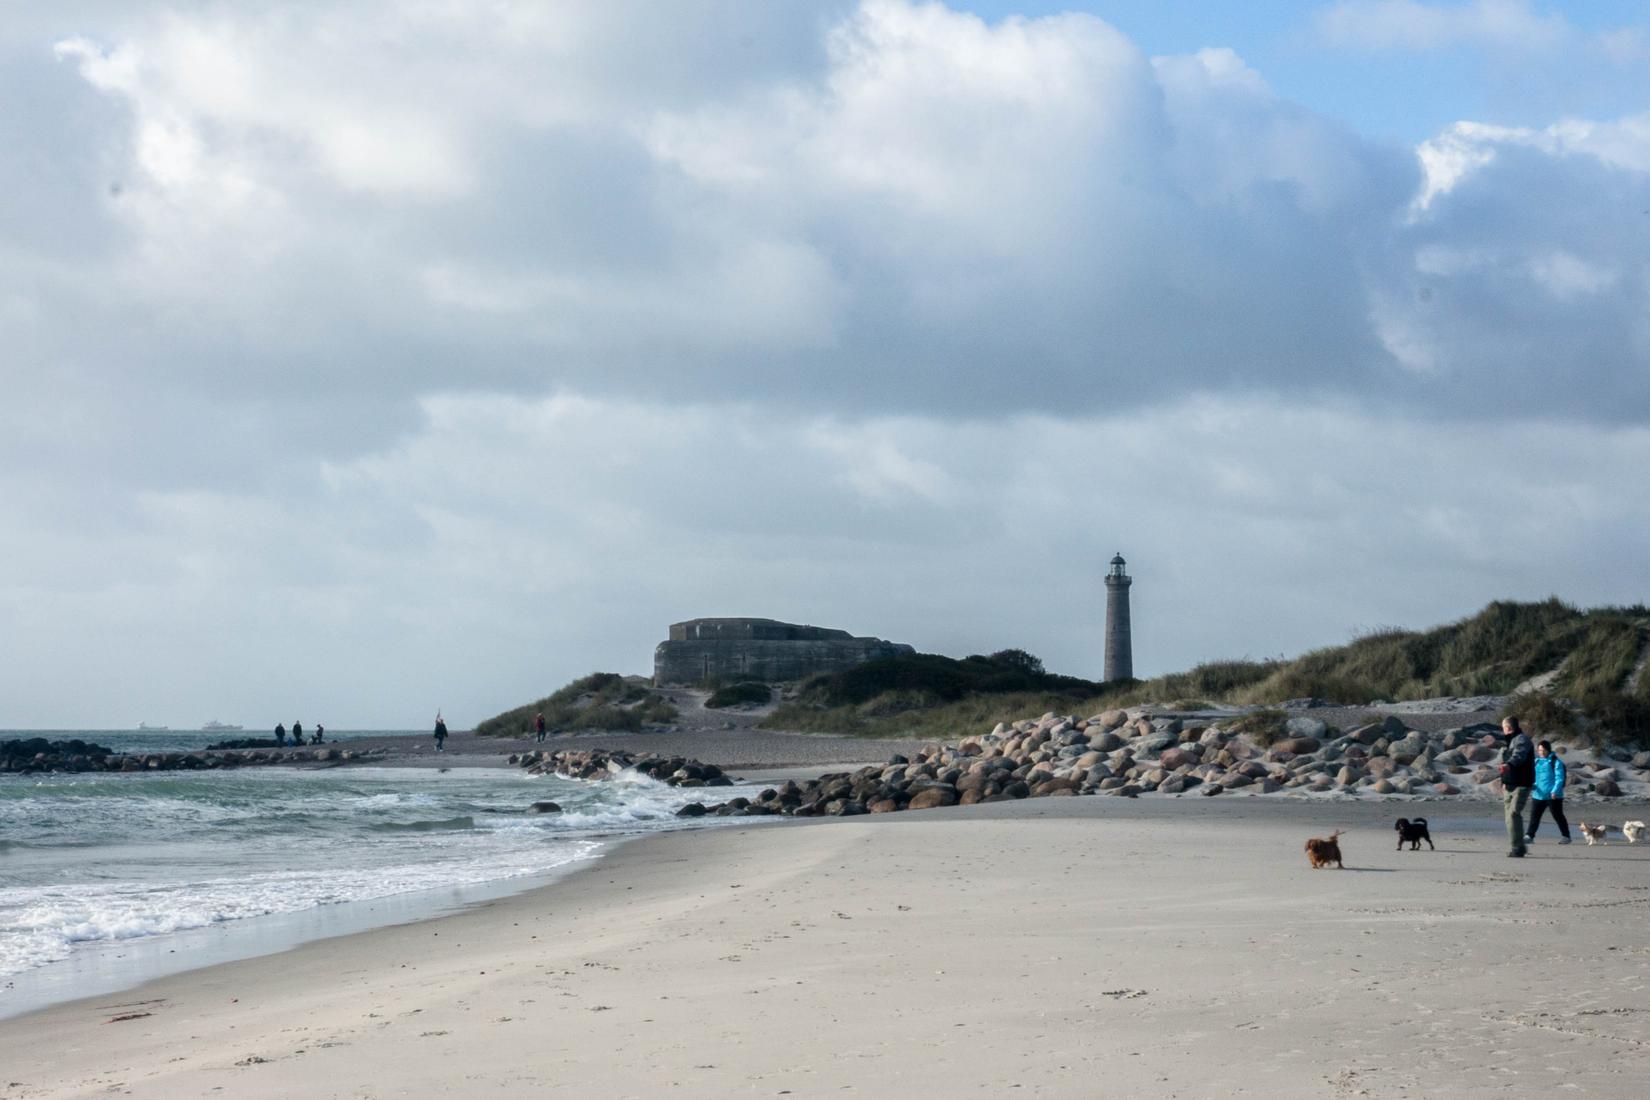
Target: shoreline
[1050,944]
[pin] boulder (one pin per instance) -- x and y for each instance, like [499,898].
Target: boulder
[1177,758]
[1409,747]
[1366,735]
[1110,719]
[1607,788]
[692,809]
[930,797]
[1297,746]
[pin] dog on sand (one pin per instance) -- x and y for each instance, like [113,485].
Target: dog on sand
[1595,834]
[1412,833]
[1321,851]
[1634,831]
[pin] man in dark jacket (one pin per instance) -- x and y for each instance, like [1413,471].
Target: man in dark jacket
[1517,777]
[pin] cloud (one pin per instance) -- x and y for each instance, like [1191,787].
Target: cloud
[506,546]
[1415,26]
[895,208]
[449,343]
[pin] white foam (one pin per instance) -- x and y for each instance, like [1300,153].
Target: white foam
[40,926]
[116,858]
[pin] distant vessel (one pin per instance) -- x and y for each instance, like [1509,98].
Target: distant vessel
[216,726]
[145,727]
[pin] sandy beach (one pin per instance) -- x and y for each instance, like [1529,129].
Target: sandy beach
[1056,947]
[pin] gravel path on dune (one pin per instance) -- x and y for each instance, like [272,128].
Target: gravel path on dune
[1346,718]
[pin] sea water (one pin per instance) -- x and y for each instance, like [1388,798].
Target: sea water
[89,861]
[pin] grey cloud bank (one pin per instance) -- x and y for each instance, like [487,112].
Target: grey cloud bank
[356,350]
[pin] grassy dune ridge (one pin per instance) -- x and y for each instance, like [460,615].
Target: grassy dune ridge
[600,701]
[1491,653]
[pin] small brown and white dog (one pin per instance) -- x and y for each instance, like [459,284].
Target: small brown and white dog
[1322,851]
[1595,834]
[1634,831]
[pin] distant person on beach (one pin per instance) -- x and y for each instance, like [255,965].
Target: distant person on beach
[319,730]
[440,731]
[1548,791]
[297,733]
[280,734]
[538,726]
[1517,777]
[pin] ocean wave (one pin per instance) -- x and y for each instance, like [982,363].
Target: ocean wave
[448,824]
[39,926]
[155,855]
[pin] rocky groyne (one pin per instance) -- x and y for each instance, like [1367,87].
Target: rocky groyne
[1127,754]
[37,754]
[677,771]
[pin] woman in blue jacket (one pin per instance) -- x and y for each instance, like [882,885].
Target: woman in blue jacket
[1548,792]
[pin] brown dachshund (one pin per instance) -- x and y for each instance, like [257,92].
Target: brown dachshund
[1322,851]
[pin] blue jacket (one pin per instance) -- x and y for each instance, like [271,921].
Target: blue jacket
[1549,778]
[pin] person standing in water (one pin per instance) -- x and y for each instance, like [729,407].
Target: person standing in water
[440,732]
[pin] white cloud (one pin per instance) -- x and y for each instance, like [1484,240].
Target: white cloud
[1413,25]
[842,307]
[507,546]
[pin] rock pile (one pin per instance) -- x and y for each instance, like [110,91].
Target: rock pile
[600,763]
[1131,753]
[36,754]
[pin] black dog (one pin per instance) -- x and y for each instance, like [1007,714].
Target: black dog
[1412,833]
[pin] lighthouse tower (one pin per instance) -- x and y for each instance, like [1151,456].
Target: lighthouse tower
[1119,651]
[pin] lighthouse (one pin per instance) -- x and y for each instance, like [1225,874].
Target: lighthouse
[1119,651]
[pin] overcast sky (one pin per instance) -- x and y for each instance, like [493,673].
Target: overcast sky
[363,358]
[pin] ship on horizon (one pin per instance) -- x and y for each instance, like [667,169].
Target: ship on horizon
[145,727]
[216,726]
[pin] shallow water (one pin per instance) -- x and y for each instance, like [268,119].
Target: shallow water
[98,858]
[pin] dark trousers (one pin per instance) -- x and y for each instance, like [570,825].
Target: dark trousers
[1538,806]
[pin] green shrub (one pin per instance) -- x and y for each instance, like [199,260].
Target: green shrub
[1541,716]
[1264,727]
[740,694]
[945,679]
[1619,718]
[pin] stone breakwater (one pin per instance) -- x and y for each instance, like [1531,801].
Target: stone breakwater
[36,754]
[676,771]
[1127,754]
